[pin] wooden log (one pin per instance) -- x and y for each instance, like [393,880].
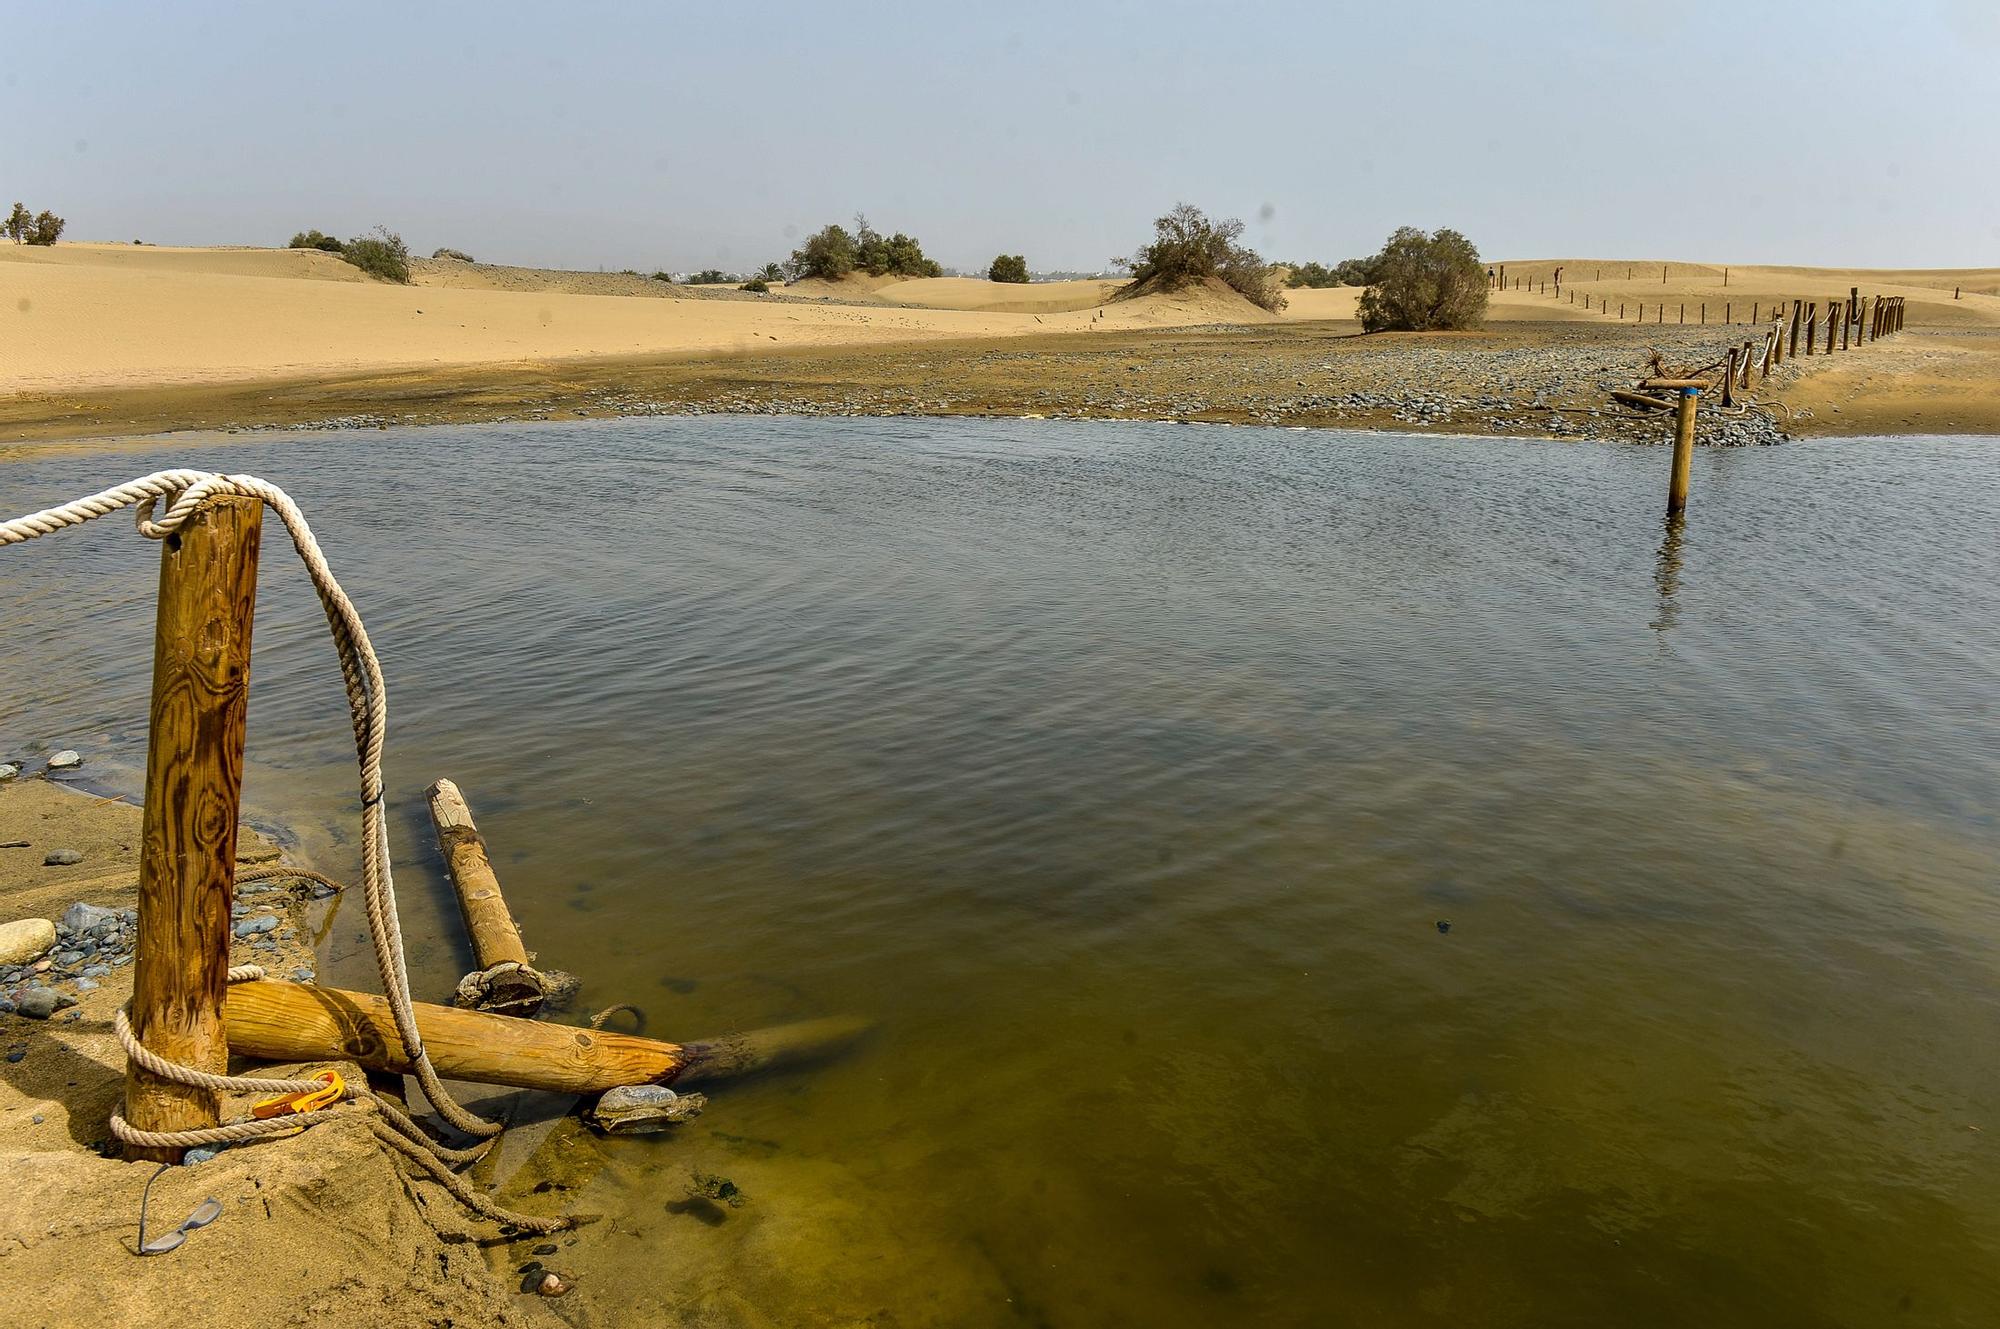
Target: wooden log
[1641,399]
[515,989]
[278,1021]
[1675,384]
[1677,487]
[194,785]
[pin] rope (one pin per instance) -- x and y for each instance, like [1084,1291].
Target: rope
[184,491]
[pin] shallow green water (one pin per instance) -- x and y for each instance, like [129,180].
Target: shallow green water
[1123,774]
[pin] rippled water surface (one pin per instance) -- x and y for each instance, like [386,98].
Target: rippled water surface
[1125,775]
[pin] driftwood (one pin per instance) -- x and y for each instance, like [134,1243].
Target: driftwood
[1641,399]
[506,981]
[270,1020]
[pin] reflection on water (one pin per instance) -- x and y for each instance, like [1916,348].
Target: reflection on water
[1121,773]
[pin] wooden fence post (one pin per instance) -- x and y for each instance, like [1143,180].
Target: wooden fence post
[1729,379]
[194,786]
[1798,312]
[1677,488]
[1846,324]
[1812,327]
[1749,349]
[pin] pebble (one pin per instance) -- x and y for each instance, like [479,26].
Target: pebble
[38,1003]
[25,940]
[62,858]
[251,927]
[8,770]
[65,759]
[18,1051]
[198,1154]
[86,985]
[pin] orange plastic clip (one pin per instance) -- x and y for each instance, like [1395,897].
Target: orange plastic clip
[305,1100]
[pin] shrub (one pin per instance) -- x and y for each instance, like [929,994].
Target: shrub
[20,223]
[315,240]
[829,254]
[458,254]
[381,254]
[1188,247]
[1008,267]
[757,284]
[1424,283]
[709,277]
[663,276]
[47,227]
[898,255]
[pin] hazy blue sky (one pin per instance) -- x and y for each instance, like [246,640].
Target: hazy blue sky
[713,134]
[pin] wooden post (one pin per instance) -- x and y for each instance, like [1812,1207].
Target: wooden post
[194,785]
[496,941]
[1798,313]
[1812,327]
[1853,305]
[1677,488]
[279,1021]
[1846,325]
[1729,379]
[1754,307]
[1726,308]
[1749,349]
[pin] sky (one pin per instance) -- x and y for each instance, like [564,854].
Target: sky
[683,136]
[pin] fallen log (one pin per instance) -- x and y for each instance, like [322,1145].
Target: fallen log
[1641,399]
[276,1021]
[505,981]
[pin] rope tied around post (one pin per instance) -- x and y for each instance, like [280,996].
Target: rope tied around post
[184,491]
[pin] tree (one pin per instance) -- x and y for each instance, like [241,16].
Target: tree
[1188,247]
[1425,283]
[315,239]
[47,227]
[1008,267]
[19,224]
[1315,276]
[770,272]
[828,254]
[708,277]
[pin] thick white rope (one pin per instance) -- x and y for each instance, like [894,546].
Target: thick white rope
[367,702]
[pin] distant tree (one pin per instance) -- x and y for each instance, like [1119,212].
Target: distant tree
[1188,247]
[381,253]
[663,276]
[315,239]
[828,254]
[1313,275]
[1008,267]
[1356,271]
[20,224]
[709,277]
[458,254]
[1424,283]
[771,272]
[47,227]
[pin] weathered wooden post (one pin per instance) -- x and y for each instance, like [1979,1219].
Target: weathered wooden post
[194,785]
[1812,327]
[1846,325]
[1749,349]
[1729,379]
[1798,313]
[1854,304]
[1690,394]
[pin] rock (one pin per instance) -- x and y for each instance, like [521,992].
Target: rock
[252,927]
[86,985]
[8,770]
[38,1003]
[62,858]
[81,917]
[25,939]
[199,1154]
[65,759]
[639,1109]
[551,1284]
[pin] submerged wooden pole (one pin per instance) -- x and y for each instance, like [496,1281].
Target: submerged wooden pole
[278,1021]
[194,785]
[1690,393]
[506,982]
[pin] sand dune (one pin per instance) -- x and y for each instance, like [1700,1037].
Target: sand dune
[1751,289]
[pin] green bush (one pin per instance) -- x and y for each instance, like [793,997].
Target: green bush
[1188,247]
[380,254]
[1424,283]
[458,254]
[827,254]
[757,284]
[315,240]
[1009,268]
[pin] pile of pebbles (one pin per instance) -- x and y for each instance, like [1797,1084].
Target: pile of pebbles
[91,941]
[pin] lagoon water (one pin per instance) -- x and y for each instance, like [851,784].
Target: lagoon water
[1126,776]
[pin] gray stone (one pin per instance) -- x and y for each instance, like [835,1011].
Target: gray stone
[81,917]
[65,759]
[86,985]
[638,1109]
[62,858]
[38,1003]
[201,1153]
[251,927]
[95,970]
[8,770]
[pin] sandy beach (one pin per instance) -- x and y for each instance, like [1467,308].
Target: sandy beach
[114,340]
